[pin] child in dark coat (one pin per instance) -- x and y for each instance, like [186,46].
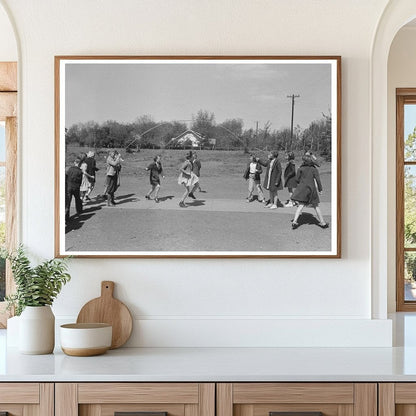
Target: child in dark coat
[306,193]
[73,179]
[273,178]
[289,177]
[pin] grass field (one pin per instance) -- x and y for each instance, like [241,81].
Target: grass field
[220,219]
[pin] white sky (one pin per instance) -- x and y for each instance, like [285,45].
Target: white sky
[409,119]
[252,92]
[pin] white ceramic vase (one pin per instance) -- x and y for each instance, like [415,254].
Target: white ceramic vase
[37,330]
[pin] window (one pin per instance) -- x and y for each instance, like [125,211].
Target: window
[406,199]
[8,166]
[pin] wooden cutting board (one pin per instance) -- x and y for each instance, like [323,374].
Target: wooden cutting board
[107,309]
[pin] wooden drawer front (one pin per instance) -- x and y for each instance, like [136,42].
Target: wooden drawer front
[293,393]
[105,399]
[27,399]
[110,409]
[331,399]
[19,393]
[13,409]
[264,410]
[138,393]
[405,393]
[397,399]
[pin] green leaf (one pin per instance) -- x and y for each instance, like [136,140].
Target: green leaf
[35,286]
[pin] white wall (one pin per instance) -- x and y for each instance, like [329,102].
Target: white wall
[401,74]
[8,46]
[203,302]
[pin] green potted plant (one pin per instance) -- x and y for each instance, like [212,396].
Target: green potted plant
[36,289]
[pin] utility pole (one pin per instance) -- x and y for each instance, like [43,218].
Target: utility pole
[293,96]
[257,129]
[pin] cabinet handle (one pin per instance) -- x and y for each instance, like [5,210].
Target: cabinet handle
[138,414]
[295,413]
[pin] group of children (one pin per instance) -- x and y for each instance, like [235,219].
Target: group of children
[80,180]
[189,174]
[303,185]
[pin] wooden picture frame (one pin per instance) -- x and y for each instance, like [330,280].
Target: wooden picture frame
[128,110]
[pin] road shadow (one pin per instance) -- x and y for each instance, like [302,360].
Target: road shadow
[77,221]
[124,196]
[308,219]
[124,199]
[166,198]
[196,203]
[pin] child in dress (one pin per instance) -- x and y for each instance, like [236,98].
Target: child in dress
[187,178]
[86,177]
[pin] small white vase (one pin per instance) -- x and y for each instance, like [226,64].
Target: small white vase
[37,330]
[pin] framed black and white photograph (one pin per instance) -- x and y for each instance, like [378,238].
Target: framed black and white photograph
[198,156]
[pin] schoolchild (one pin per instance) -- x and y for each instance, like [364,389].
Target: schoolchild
[252,175]
[308,190]
[289,177]
[156,171]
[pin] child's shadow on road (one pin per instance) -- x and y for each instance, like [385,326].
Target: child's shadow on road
[76,222]
[196,203]
[123,199]
[166,198]
[307,219]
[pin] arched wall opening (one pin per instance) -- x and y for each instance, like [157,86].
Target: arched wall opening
[401,74]
[396,16]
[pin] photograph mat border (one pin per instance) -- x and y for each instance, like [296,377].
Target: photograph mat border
[334,61]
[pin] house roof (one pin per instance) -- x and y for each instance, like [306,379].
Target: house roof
[186,132]
[187,136]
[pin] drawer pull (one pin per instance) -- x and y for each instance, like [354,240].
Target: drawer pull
[295,414]
[140,414]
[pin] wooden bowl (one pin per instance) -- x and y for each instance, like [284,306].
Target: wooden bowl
[84,340]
